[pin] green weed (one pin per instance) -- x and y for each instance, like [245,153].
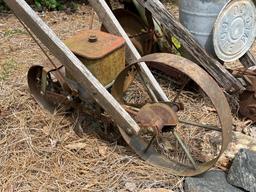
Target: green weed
[7,68]
[12,32]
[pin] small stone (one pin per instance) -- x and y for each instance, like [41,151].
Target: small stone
[76,146]
[130,186]
[103,151]
[54,143]
[211,181]
[242,173]
[46,130]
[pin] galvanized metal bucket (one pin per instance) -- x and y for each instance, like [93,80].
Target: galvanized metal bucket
[225,28]
[199,16]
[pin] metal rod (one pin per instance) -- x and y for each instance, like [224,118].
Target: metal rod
[183,145]
[41,47]
[182,88]
[91,20]
[151,93]
[131,108]
[210,127]
[150,143]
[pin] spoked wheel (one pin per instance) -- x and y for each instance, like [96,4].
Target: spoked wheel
[186,135]
[46,89]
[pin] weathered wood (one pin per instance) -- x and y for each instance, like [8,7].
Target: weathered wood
[248,60]
[81,74]
[174,28]
[113,26]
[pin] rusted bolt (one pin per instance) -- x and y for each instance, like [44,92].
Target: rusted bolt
[92,38]
[129,131]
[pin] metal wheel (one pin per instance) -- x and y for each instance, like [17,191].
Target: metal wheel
[46,89]
[185,136]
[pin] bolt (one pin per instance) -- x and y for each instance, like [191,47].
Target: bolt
[92,38]
[129,131]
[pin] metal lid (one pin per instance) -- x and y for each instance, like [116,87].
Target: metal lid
[94,44]
[234,30]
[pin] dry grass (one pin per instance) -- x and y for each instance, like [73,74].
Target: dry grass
[40,151]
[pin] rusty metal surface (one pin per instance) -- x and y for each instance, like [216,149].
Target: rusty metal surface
[157,116]
[102,44]
[168,71]
[50,100]
[102,53]
[247,100]
[141,36]
[248,105]
[234,30]
[58,71]
[207,84]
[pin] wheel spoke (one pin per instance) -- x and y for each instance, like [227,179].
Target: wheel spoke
[209,127]
[150,91]
[150,143]
[179,92]
[184,147]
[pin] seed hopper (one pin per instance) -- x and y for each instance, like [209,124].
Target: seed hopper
[121,72]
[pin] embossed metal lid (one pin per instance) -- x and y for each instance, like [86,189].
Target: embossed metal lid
[234,30]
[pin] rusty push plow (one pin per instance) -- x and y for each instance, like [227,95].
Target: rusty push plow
[90,68]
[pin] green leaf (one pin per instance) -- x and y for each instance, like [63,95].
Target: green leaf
[38,5]
[176,42]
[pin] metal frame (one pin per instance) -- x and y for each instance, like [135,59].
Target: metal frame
[83,76]
[88,83]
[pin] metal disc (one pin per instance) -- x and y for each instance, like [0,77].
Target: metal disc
[234,30]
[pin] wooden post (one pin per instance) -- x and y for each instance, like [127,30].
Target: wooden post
[82,75]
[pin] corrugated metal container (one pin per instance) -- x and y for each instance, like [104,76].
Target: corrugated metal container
[102,53]
[199,16]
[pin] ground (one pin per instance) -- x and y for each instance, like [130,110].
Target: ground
[40,151]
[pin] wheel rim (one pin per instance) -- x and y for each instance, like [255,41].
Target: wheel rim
[211,89]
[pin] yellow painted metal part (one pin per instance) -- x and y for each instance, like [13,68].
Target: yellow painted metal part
[106,69]
[102,53]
